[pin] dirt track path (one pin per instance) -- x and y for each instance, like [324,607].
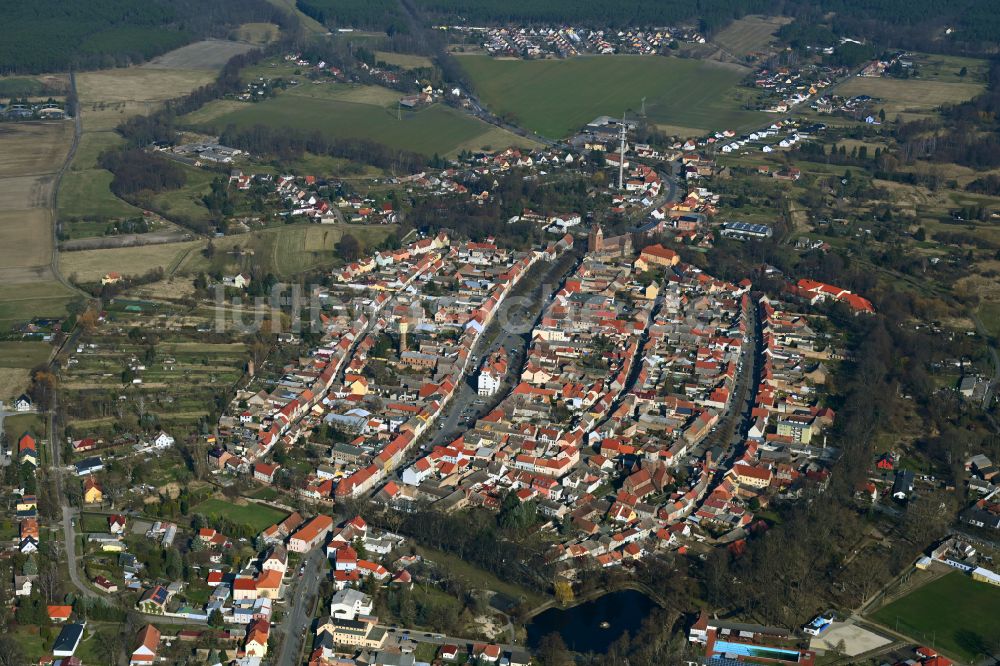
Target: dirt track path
[54,189]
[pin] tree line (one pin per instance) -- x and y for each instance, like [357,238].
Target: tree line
[370,14]
[283,144]
[137,171]
[967,133]
[53,35]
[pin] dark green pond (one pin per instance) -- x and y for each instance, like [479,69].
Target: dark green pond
[581,626]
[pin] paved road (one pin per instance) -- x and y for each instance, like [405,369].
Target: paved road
[294,628]
[463,410]
[68,512]
[397,635]
[735,421]
[982,331]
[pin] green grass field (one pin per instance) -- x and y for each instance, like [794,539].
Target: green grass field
[185,205]
[256,516]
[24,354]
[749,34]
[404,60]
[284,251]
[88,194]
[93,523]
[961,616]
[20,86]
[436,129]
[18,424]
[22,302]
[556,97]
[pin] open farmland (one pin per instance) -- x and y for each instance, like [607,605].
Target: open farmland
[917,96]
[140,84]
[31,155]
[108,97]
[258,33]
[209,54]
[33,148]
[17,358]
[41,85]
[556,97]
[87,193]
[971,622]
[284,251]
[20,302]
[404,60]
[749,34]
[366,112]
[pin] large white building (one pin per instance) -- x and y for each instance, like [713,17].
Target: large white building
[489,382]
[493,372]
[349,603]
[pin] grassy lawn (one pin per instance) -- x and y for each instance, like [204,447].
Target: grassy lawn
[436,129]
[477,577]
[256,516]
[266,493]
[989,312]
[961,616]
[258,33]
[18,424]
[93,522]
[32,643]
[556,97]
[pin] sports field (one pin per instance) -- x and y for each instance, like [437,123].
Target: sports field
[366,112]
[961,616]
[257,516]
[557,97]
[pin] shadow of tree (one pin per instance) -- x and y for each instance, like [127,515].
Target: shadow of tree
[971,642]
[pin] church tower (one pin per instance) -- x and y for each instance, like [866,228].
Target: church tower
[595,242]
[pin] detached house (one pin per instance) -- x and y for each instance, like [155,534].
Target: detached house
[116,523]
[27,450]
[148,640]
[92,492]
[256,641]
